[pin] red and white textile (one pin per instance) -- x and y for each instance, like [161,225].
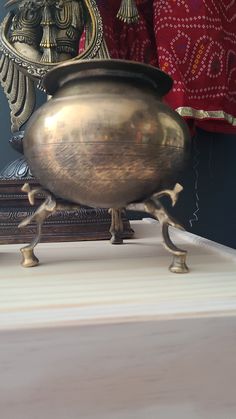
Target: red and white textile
[195,42]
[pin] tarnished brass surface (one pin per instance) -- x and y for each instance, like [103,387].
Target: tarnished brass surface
[116,228]
[152,206]
[106,139]
[47,208]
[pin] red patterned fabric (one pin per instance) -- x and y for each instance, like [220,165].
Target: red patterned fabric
[195,42]
[129,41]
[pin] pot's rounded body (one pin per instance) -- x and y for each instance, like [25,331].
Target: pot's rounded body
[106,139]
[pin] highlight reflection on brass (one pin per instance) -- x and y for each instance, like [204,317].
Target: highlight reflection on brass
[105,134]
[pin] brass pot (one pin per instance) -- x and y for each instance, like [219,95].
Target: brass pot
[106,139]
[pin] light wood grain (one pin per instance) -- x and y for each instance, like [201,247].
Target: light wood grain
[177,369]
[95,282]
[106,332]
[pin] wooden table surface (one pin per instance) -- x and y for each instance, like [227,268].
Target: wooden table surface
[107,332]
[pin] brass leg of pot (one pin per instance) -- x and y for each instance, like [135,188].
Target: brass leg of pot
[178,264]
[29,260]
[40,215]
[154,207]
[116,228]
[48,207]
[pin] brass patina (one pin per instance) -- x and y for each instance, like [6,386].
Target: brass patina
[107,140]
[151,206]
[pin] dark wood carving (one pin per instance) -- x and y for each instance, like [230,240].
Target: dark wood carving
[84,224]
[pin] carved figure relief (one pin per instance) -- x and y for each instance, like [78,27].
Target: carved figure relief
[35,36]
[48,31]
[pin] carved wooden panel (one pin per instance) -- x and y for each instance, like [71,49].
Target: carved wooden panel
[84,224]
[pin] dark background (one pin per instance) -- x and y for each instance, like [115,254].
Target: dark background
[6,151]
[207,207]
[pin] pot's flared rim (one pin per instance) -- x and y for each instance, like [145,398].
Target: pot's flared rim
[56,77]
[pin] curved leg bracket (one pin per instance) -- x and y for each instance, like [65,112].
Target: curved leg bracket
[178,264]
[116,228]
[47,208]
[154,207]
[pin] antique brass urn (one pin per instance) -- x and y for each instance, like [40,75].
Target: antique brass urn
[106,139]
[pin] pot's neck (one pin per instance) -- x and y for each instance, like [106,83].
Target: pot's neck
[116,70]
[109,74]
[105,80]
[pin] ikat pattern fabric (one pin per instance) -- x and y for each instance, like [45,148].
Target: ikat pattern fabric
[195,42]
